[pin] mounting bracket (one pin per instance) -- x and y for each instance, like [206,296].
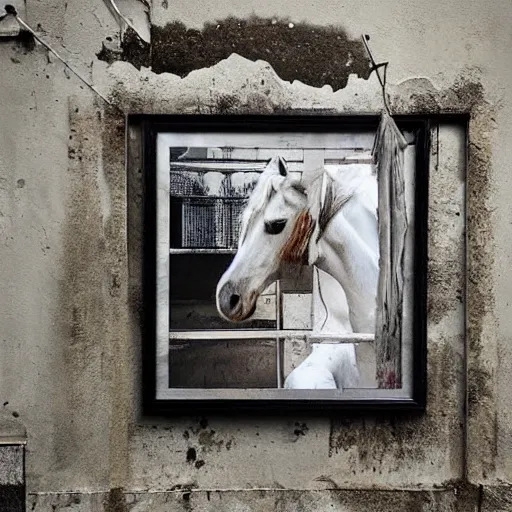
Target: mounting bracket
[9,26]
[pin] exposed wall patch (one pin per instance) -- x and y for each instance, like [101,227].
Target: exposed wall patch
[315,55]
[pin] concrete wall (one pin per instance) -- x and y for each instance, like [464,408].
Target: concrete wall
[70,367]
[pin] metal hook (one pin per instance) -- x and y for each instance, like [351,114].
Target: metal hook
[375,67]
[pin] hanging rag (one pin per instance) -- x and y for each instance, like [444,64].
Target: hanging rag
[388,156]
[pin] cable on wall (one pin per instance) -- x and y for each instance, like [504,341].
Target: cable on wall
[11,10]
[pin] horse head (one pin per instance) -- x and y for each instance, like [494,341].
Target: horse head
[275,231]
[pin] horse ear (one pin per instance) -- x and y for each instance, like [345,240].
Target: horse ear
[282,167]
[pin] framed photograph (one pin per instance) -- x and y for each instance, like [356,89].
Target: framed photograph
[267,277]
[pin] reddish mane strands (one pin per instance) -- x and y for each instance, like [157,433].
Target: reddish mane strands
[296,248]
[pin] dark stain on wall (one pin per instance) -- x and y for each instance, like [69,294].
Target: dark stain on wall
[315,55]
[115,501]
[468,95]
[387,443]
[24,42]
[496,498]
[191,455]
[456,498]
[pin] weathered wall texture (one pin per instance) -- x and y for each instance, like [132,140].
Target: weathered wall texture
[70,367]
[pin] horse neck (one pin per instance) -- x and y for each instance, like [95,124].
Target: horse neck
[330,307]
[349,259]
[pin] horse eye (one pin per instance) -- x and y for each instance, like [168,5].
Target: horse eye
[275,227]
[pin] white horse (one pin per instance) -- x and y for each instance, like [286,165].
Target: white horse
[329,365]
[329,220]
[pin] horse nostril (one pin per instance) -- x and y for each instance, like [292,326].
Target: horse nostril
[233,301]
[229,302]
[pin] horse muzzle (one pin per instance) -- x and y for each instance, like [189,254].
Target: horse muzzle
[231,303]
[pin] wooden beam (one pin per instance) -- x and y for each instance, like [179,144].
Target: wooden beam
[269,335]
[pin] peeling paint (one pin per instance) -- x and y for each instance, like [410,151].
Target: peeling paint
[315,55]
[134,50]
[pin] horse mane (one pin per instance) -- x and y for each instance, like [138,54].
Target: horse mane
[266,185]
[296,248]
[326,197]
[324,201]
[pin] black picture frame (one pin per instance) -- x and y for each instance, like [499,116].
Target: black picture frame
[151,126]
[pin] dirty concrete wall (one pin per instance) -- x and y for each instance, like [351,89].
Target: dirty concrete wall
[70,367]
